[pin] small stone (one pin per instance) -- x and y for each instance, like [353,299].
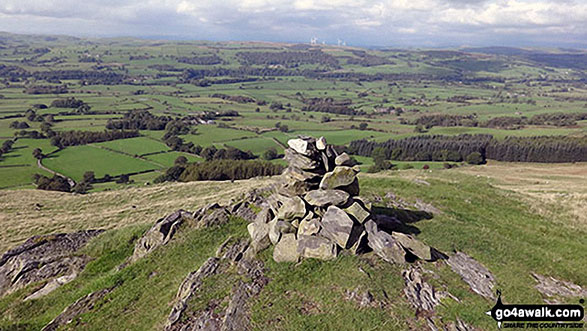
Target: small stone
[316,248]
[383,244]
[296,174]
[340,176]
[357,211]
[353,189]
[285,227]
[274,234]
[292,208]
[325,198]
[299,145]
[413,245]
[321,143]
[343,160]
[264,216]
[286,249]
[309,227]
[337,226]
[259,233]
[300,161]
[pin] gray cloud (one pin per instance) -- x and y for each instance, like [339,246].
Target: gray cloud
[359,22]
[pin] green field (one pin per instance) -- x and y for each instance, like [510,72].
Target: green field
[267,105]
[75,161]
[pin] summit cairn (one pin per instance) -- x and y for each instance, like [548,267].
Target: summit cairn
[316,211]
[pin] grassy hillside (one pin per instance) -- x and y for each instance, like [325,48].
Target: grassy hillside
[474,213]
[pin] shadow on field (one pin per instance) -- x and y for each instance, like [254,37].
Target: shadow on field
[398,219]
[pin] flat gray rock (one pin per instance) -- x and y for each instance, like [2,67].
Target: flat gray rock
[340,176]
[337,226]
[325,198]
[473,273]
[314,247]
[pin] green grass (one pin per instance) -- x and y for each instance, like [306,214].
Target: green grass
[135,146]
[494,226]
[74,161]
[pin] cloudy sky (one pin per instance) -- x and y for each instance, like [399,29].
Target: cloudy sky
[358,22]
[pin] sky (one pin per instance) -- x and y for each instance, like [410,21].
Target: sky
[388,23]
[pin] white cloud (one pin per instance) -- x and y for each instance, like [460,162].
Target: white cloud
[365,21]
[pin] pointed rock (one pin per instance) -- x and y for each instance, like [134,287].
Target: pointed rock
[321,143]
[413,245]
[337,226]
[383,244]
[299,145]
[357,211]
[343,160]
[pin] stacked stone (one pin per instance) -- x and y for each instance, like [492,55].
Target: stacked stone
[317,211]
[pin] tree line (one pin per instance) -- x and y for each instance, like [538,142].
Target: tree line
[548,149]
[220,170]
[63,139]
[500,122]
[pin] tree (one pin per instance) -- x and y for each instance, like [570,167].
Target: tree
[284,128]
[270,154]
[38,153]
[475,158]
[89,177]
[181,160]
[363,126]
[380,161]
[123,179]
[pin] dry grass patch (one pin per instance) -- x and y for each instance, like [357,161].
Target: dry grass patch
[25,213]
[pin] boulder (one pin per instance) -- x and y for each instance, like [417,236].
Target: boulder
[286,250]
[300,161]
[291,208]
[264,216]
[294,187]
[159,234]
[285,227]
[215,217]
[413,245]
[299,145]
[383,244]
[352,189]
[321,143]
[343,160]
[325,198]
[314,247]
[274,234]
[259,233]
[337,226]
[339,177]
[81,306]
[296,174]
[358,212]
[309,227]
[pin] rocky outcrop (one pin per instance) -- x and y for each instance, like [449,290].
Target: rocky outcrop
[420,293]
[165,228]
[159,234]
[41,258]
[473,273]
[553,288]
[82,305]
[236,315]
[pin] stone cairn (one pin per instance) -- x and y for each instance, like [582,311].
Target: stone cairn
[316,211]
